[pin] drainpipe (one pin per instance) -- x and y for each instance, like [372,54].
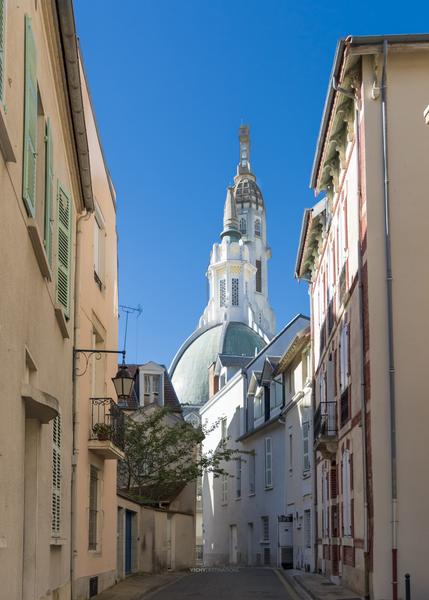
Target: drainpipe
[392,398]
[84,217]
[362,363]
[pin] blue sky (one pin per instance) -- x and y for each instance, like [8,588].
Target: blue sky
[171,81]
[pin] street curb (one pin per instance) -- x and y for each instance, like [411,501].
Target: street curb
[291,586]
[156,589]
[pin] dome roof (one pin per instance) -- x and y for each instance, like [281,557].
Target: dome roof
[247,190]
[189,370]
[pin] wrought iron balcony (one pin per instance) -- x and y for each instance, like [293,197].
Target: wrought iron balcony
[106,434]
[325,428]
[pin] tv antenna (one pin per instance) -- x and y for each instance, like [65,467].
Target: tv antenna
[129,310]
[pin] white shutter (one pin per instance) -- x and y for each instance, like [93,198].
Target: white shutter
[346,493]
[56,477]
[268,463]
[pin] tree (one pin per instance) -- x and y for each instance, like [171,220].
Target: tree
[162,455]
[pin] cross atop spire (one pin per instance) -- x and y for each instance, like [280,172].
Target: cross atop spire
[244,137]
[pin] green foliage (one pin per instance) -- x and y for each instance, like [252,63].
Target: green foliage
[163,452]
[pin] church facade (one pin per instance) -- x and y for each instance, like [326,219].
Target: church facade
[238,319]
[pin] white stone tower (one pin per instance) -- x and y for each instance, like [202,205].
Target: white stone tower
[238,273]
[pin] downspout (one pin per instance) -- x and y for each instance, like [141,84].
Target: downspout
[362,367]
[392,398]
[74,503]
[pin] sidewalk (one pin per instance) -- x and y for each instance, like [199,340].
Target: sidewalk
[317,587]
[137,587]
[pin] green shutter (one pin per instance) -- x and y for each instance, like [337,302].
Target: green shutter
[30,122]
[64,250]
[2,46]
[47,237]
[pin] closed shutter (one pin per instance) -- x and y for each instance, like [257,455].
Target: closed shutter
[49,174]
[2,47]
[30,122]
[56,477]
[64,251]
[268,463]
[305,436]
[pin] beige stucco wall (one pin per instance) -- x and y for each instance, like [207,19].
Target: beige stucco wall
[97,311]
[408,149]
[31,564]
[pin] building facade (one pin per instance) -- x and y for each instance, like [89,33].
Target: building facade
[362,251]
[98,423]
[245,513]
[45,186]
[156,526]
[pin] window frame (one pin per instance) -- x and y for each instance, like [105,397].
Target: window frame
[268,463]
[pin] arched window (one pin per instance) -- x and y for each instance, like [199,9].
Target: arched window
[258,227]
[243,226]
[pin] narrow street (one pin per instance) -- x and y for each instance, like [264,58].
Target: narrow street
[239,584]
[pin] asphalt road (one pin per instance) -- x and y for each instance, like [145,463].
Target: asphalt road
[239,584]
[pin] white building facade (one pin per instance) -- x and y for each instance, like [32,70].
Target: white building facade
[245,513]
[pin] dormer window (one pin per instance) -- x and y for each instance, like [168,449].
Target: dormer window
[152,389]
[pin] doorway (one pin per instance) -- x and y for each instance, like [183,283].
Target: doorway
[128,541]
[249,544]
[233,545]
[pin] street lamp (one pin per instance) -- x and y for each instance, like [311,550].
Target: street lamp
[123,380]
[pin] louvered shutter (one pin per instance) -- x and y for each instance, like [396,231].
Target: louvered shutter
[2,46]
[56,477]
[64,251]
[30,122]
[49,174]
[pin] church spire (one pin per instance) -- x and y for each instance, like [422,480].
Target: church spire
[230,219]
[244,137]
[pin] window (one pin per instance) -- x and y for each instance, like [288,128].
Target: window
[307,528]
[243,226]
[305,440]
[222,292]
[344,357]
[223,429]
[49,178]
[251,461]
[238,477]
[64,251]
[234,287]
[259,404]
[224,488]
[258,228]
[276,396]
[268,463]
[56,477]
[265,523]
[99,246]
[325,523]
[259,276]
[347,521]
[30,122]
[267,557]
[93,508]
[2,46]
[152,389]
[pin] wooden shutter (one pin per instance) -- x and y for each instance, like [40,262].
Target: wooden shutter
[64,251]
[30,122]
[49,174]
[2,46]
[56,477]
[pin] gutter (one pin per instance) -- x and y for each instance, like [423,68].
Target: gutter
[391,354]
[69,44]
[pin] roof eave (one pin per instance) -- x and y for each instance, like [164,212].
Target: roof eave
[67,29]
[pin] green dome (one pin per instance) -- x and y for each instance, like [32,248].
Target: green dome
[189,370]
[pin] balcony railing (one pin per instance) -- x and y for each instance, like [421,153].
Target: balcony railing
[325,419]
[325,428]
[107,422]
